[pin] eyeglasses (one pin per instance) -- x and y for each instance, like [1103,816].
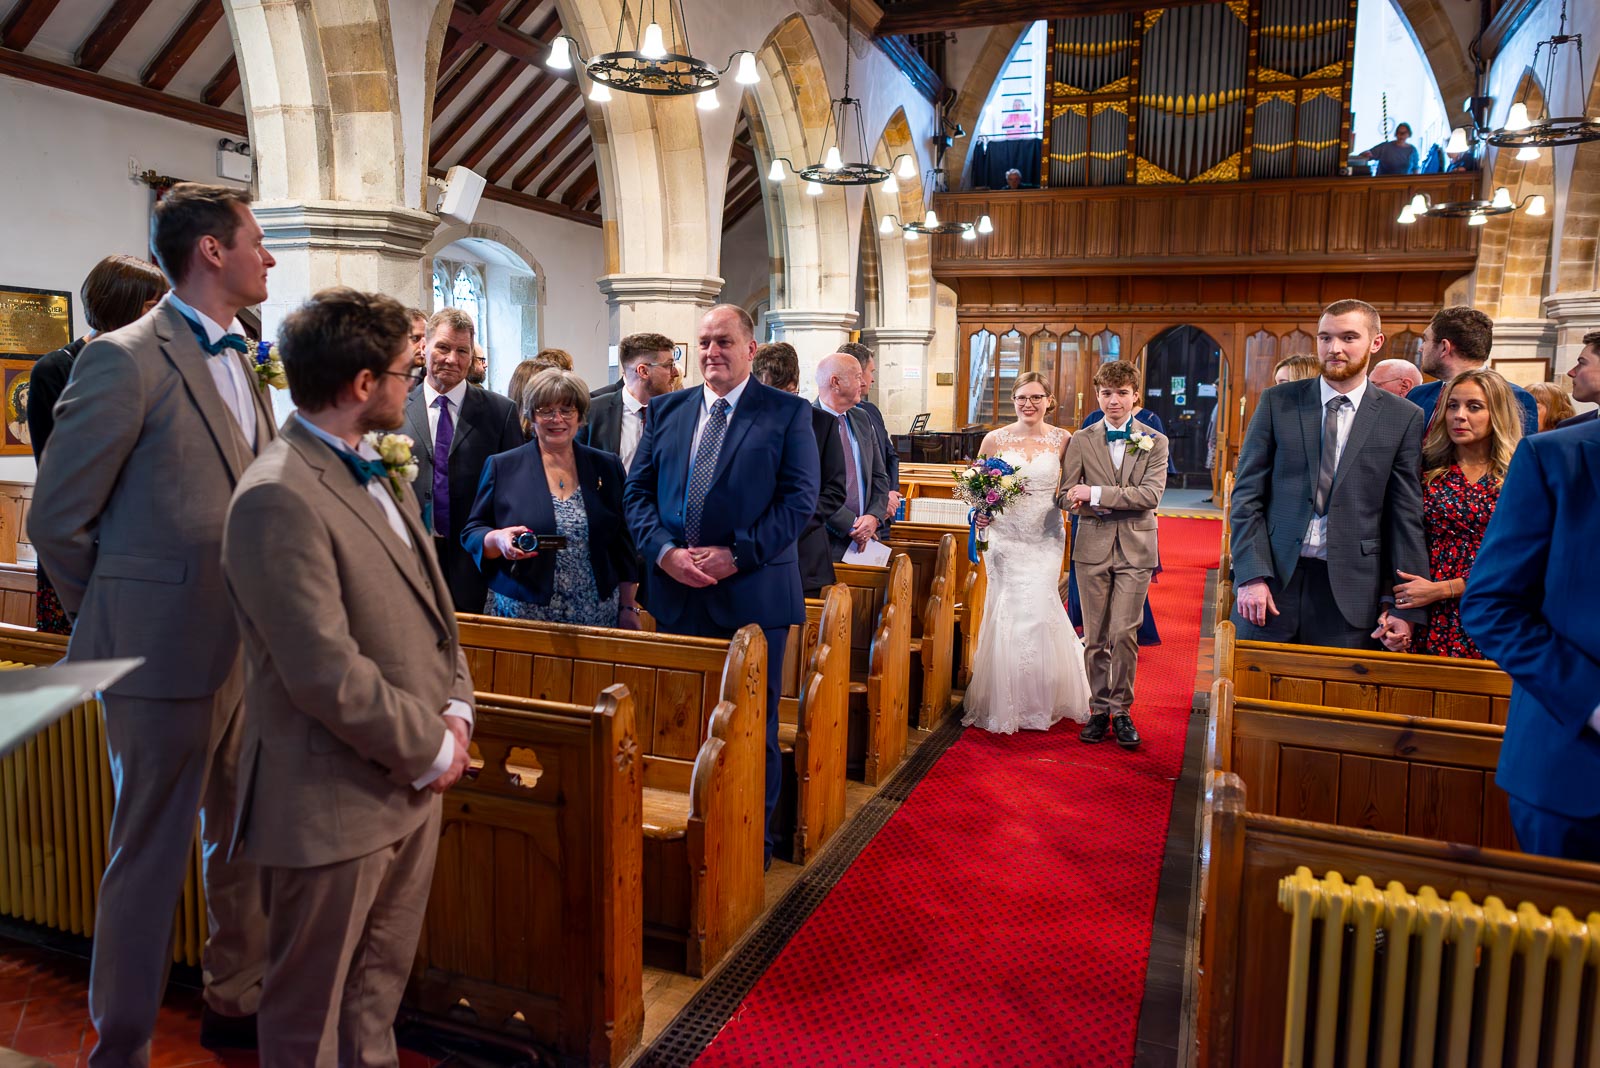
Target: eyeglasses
[673,364]
[414,376]
[561,414]
[1031,400]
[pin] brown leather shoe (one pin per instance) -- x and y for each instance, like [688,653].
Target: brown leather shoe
[226,1032]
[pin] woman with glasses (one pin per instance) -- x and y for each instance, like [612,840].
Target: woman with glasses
[578,566]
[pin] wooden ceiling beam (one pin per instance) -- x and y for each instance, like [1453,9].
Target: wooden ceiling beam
[108,33]
[531,132]
[584,188]
[518,45]
[926,16]
[508,119]
[579,124]
[452,84]
[24,21]
[741,205]
[124,94]
[570,165]
[744,153]
[194,28]
[222,84]
[477,109]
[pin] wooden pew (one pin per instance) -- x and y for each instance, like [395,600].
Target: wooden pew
[535,919]
[19,592]
[814,722]
[880,631]
[700,704]
[1475,691]
[935,582]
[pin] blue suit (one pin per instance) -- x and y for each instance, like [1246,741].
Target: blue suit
[1426,397]
[1531,604]
[763,492]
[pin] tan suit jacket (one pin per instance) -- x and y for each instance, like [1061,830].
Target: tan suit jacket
[1131,492]
[351,655]
[128,509]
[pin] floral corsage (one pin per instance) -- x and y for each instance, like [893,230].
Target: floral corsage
[1141,441]
[394,451]
[268,367]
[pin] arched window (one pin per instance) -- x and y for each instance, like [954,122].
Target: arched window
[460,285]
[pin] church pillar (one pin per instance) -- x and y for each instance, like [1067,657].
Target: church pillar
[903,369]
[814,333]
[669,304]
[1520,341]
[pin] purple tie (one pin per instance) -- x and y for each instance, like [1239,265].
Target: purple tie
[852,477]
[442,437]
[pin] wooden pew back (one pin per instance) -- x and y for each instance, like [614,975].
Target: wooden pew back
[937,643]
[535,920]
[880,632]
[19,594]
[821,716]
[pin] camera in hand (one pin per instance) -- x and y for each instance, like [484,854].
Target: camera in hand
[529,542]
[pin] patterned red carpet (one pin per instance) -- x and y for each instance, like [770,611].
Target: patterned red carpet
[1002,916]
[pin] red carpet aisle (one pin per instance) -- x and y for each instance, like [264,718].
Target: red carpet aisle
[1002,916]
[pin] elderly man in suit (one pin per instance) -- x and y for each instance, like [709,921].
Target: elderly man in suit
[1112,479]
[869,374]
[1585,375]
[456,428]
[866,501]
[154,430]
[1399,377]
[360,701]
[1327,500]
[1459,339]
[1531,607]
[724,482]
[617,418]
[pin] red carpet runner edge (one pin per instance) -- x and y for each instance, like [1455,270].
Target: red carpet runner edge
[1002,916]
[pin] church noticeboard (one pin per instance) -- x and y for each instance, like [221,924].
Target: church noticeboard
[33,321]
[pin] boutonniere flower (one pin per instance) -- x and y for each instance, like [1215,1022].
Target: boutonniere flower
[1141,441]
[394,452]
[269,368]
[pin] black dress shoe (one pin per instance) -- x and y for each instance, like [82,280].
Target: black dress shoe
[1095,730]
[226,1032]
[1123,730]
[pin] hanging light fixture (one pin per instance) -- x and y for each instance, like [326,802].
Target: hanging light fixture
[931,224]
[1476,212]
[657,66]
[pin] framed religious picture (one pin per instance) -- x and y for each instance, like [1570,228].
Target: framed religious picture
[15,376]
[680,352]
[34,321]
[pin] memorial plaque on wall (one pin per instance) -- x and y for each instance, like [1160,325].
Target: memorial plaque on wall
[33,321]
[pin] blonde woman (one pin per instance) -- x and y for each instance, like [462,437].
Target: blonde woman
[1465,455]
[1029,671]
[1295,368]
[1554,404]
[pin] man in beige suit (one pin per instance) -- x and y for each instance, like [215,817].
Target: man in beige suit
[155,428]
[360,702]
[1112,478]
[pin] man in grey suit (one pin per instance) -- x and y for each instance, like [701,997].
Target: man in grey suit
[866,503]
[360,700]
[1327,500]
[617,419]
[155,428]
[456,429]
[869,373]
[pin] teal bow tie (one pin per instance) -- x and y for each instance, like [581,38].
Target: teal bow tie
[365,470]
[226,341]
[1119,435]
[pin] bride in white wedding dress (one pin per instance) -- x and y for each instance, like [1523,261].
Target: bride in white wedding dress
[1028,672]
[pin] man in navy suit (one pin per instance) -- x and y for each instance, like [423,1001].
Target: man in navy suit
[1459,339]
[869,373]
[1530,605]
[724,481]
[1585,375]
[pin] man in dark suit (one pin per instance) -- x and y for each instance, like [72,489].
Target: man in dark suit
[778,365]
[617,418]
[1585,375]
[456,428]
[869,374]
[723,483]
[866,500]
[1327,500]
[1530,604]
[1459,339]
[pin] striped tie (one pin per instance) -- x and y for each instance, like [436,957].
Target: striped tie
[705,465]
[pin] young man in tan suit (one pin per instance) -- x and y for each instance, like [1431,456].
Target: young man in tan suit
[360,701]
[153,431]
[1112,478]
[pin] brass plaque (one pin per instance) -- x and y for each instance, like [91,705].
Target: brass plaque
[34,321]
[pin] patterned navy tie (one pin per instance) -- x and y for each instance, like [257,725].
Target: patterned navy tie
[705,465]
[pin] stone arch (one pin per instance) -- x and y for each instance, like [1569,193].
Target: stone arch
[532,302]
[1514,252]
[1580,230]
[997,48]
[1437,38]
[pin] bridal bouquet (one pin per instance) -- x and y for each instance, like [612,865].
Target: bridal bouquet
[988,486]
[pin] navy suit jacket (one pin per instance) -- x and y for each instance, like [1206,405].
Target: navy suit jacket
[763,491]
[1579,420]
[885,442]
[1531,605]
[514,492]
[1426,397]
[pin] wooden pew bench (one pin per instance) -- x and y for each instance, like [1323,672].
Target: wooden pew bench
[534,921]
[814,724]
[700,706]
[19,594]
[880,676]
[936,574]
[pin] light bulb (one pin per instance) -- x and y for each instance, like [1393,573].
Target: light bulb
[890,186]
[1419,205]
[930,220]
[1517,117]
[912,235]
[969,234]
[1406,217]
[984,225]
[1502,198]
[833,161]
[813,189]
[560,57]
[1527,154]
[1476,220]
[653,46]
[886,225]
[775,172]
[708,101]
[1457,143]
[747,73]
[1535,205]
[907,168]
[599,93]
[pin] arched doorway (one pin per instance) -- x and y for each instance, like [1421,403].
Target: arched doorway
[1182,368]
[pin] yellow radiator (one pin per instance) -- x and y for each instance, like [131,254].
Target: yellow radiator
[55,814]
[1390,978]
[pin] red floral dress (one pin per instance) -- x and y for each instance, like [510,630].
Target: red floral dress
[1455,514]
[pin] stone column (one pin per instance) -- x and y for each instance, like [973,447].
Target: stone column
[669,304]
[1522,340]
[904,371]
[814,333]
[1573,315]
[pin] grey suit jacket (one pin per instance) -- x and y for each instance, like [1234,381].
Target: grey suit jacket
[874,475]
[351,655]
[1130,495]
[129,505]
[1374,511]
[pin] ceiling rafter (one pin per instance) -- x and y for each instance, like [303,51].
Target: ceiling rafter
[199,22]
[510,118]
[584,188]
[109,33]
[222,83]
[530,134]
[552,151]
[457,128]
[556,177]
[25,20]
[740,206]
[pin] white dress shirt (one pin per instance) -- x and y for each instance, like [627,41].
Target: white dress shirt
[379,490]
[1316,543]
[430,397]
[233,381]
[1119,450]
[632,428]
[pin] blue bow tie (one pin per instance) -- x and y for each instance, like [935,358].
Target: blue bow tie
[365,470]
[1119,435]
[226,341]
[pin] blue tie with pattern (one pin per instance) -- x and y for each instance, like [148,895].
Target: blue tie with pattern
[705,465]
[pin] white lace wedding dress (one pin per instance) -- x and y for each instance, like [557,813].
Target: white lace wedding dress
[1029,672]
